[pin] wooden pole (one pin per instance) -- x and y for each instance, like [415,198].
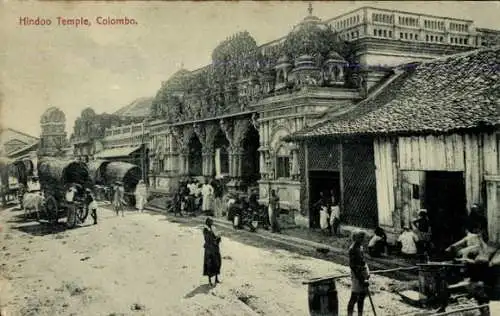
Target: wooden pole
[465,309]
[334,277]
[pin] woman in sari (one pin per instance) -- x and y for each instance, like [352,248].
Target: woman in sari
[140,195]
[212,259]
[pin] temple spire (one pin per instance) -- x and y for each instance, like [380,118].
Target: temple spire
[310,8]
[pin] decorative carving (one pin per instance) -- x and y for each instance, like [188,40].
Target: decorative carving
[211,131]
[207,150]
[255,121]
[240,129]
[200,132]
[178,136]
[228,130]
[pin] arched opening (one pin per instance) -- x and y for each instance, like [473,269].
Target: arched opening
[195,157]
[221,146]
[250,163]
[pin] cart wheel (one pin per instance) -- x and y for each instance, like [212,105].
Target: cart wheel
[82,213]
[71,216]
[51,210]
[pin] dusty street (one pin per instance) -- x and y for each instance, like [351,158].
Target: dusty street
[142,264]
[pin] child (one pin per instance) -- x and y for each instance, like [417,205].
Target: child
[377,244]
[408,240]
[334,218]
[359,273]
[323,218]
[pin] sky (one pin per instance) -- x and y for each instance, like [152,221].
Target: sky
[107,67]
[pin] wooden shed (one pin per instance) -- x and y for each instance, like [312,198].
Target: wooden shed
[434,129]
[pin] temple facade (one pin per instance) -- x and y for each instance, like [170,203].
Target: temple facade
[227,120]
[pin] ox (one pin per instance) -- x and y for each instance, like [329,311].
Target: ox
[33,202]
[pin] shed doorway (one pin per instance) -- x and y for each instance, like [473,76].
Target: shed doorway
[445,201]
[321,181]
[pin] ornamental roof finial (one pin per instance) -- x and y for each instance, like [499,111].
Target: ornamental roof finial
[310,9]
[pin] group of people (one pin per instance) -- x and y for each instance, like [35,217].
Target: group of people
[77,194]
[192,197]
[418,240]
[329,214]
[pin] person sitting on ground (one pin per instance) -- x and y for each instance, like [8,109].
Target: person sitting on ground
[469,246]
[408,241]
[378,243]
[477,220]
[233,207]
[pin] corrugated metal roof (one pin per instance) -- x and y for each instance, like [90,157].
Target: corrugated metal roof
[117,152]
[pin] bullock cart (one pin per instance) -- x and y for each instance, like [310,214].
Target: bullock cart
[97,173]
[126,173]
[6,190]
[56,177]
[22,171]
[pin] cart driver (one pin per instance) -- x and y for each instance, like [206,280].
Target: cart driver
[34,185]
[70,194]
[91,204]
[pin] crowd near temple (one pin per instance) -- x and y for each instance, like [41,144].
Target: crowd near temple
[385,113]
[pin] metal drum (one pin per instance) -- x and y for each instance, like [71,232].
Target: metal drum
[432,284]
[323,299]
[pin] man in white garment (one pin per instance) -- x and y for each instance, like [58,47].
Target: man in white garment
[207,192]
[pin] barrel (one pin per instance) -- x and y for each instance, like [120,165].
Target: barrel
[495,275]
[323,299]
[432,284]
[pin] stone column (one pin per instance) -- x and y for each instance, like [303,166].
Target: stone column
[208,153]
[183,161]
[295,168]
[262,163]
[237,157]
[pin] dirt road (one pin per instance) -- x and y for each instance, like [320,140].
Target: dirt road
[142,264]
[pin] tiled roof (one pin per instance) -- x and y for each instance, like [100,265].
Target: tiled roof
[448,94]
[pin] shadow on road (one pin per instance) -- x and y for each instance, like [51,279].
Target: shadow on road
[202,289]
[41,229]
[20,218]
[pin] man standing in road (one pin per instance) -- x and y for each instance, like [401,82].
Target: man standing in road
[207,192]
[118,201]
[274,202]
[141,194]
[91,204]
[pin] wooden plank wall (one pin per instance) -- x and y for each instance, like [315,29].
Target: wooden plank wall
[475,155]
[492,174]
[385,180]
[446,153]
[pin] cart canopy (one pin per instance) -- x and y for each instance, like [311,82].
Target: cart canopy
[97,171]
[5,164]
[125,172]
[57,172]
[22,169]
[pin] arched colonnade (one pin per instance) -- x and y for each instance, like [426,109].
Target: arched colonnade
[227,147]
